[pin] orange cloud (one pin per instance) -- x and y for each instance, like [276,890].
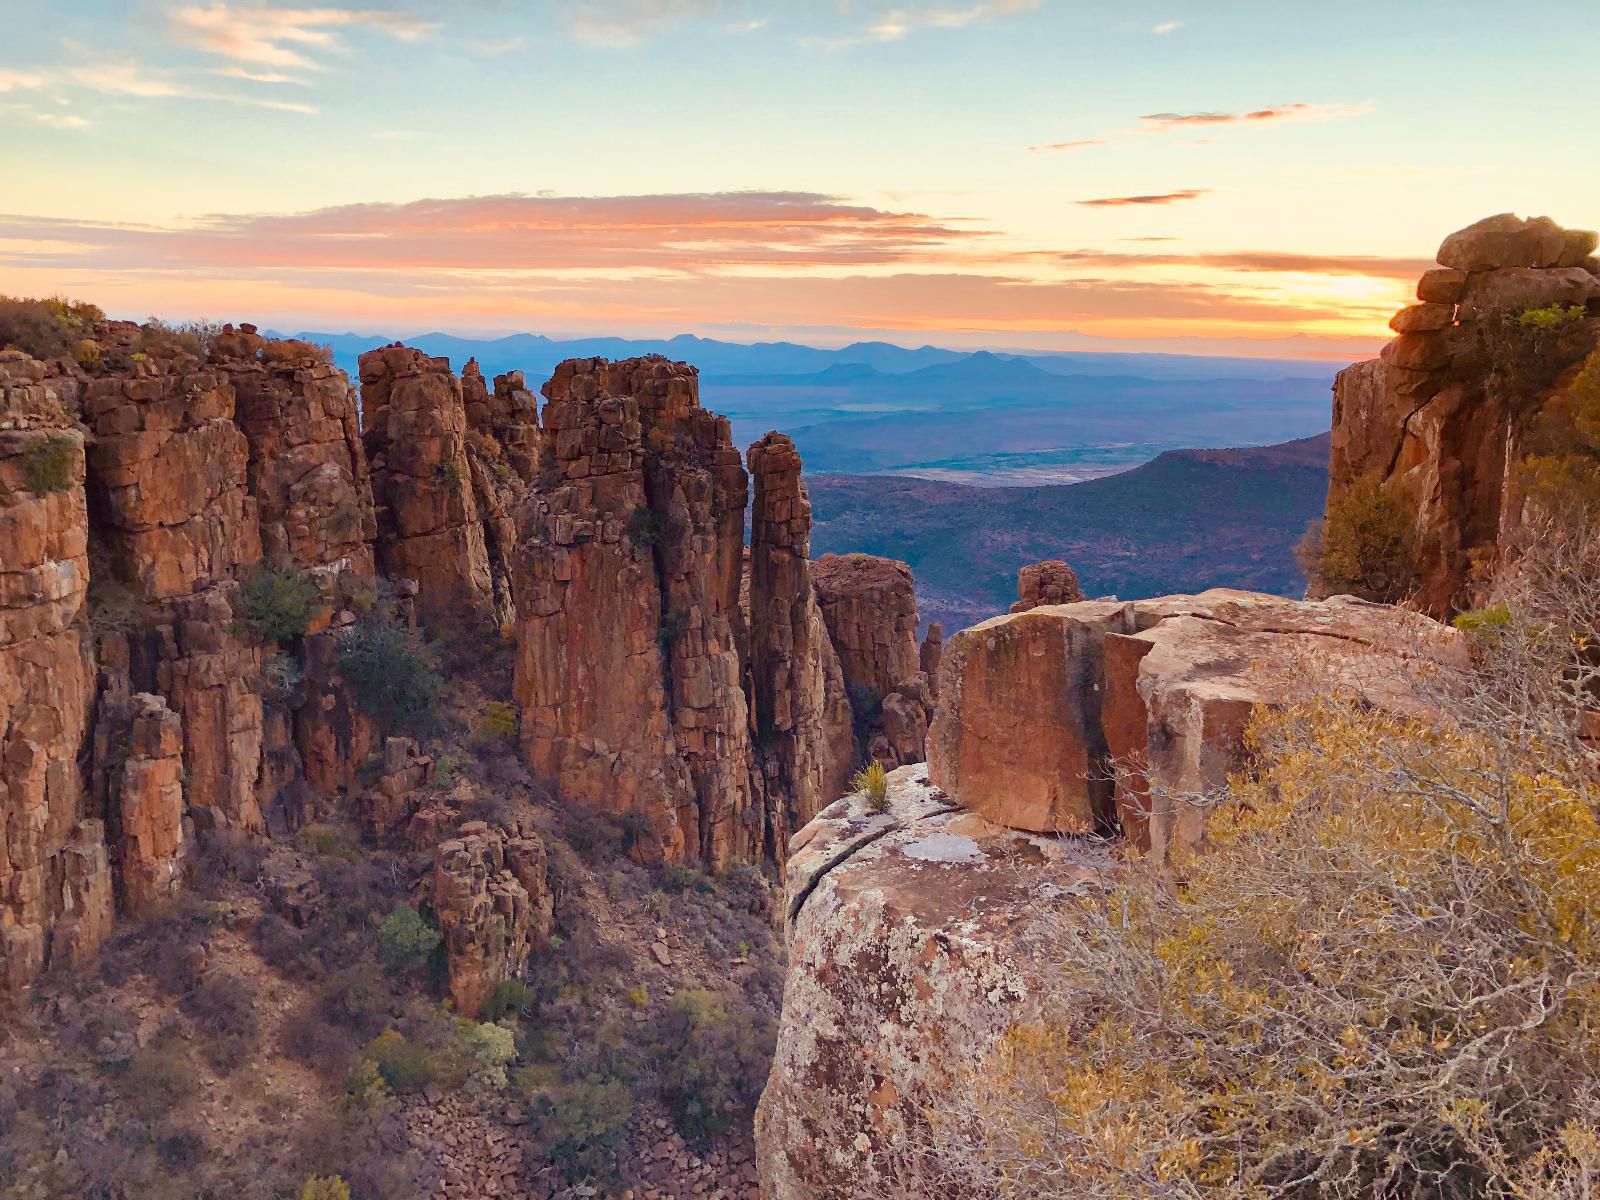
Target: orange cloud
[1058,147]
[1406,269]
[1158,198]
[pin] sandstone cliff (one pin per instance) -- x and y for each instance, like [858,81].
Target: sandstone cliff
[1440,419]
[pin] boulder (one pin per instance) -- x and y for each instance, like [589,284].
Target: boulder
[1048,582]
[149,820]
[1017,734]
[1441,285]
[1520,288]
[1505,240]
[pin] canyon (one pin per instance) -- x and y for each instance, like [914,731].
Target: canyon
[234,584]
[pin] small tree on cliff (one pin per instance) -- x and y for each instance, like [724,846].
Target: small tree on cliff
[1562,467]
[1366,545]
[1382,979]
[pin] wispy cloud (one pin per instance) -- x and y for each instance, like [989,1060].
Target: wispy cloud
[1167,121]
[1154,198]
[1253,262]
[1061,147]
[17,81]
[62,120]
[1167,27]
[283,38]
[259,76]
[131,79]
[624,23]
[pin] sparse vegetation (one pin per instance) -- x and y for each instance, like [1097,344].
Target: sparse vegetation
[278,605]
[449,473]
[1561,469]
[872,781]
[1524,352]
[46,329]
[394,674]
[650,527]
[47,467]
[405,941]
[1366,546]
[1404,1006]
[325,1187]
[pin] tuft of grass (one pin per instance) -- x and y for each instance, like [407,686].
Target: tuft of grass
[872,781]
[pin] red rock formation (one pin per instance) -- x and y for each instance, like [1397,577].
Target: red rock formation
[1043,709]
[870,607]
[497,485]
[802,715]
[1018,734]
[415,426]
[149,818]
[1424,419]
[1048,582]
[55,879]
[628,670]
[931,654]
[494,907]
[509,415]
[307,469]
[389,805]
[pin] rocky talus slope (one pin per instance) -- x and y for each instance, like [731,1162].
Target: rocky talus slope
[1441,418]
[906,920]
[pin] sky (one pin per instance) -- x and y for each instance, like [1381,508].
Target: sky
[1219,176]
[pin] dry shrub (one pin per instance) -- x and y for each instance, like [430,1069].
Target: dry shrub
[1381,980]
[1366,545]
[1562,467]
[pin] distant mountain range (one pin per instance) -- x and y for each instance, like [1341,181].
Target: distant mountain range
[985,418]
[1188,520]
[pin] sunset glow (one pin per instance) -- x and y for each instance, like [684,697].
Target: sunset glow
[1037,173]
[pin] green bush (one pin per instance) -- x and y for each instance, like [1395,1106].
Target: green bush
[499,722]
[449,473]
[392,671]
[279,604]
[1366,545]
[405,1065]
[581,1125]
[47,467]
[1525,352]
[405,941]
[713,1053]
[509,997]
[491,1048]
[1561,469]
[649,527]
[45,328]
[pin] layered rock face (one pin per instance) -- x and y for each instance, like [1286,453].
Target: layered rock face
[149,834]
[802,715]
[307,468]
[415,426]
[628,667]
[1424,419]
[55,877]
[870,606]
[907,952]
[1048,582]
[494,907]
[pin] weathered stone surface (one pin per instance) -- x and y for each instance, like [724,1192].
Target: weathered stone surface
[148,829]
[802,715]
[168,469]
[389,805]
[905,968]
[1426,420]
[931,654]
[307,468]
[1048,582]
[414,428]
[1522,288]
[904,720]
[331,732]
[55,878]
[870,607]
[494,907]
[1179,693]
[628,667]
[1423,318]
[1441,285]
[1505,240]
[497,486]
[509,415]
[1017,734]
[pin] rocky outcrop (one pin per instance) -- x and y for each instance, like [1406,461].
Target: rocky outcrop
[390,804]
[307,469]
[414,428]
[168,478]
[1070,718]
[908,927]
[493,905]
[509,415]
[148,823]
[498,483]
[628,667]
[1018,733]
[55,876]
[1438,420]
[905,968]
[802,717]
[870,607]
[1048,582]
[931,654]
